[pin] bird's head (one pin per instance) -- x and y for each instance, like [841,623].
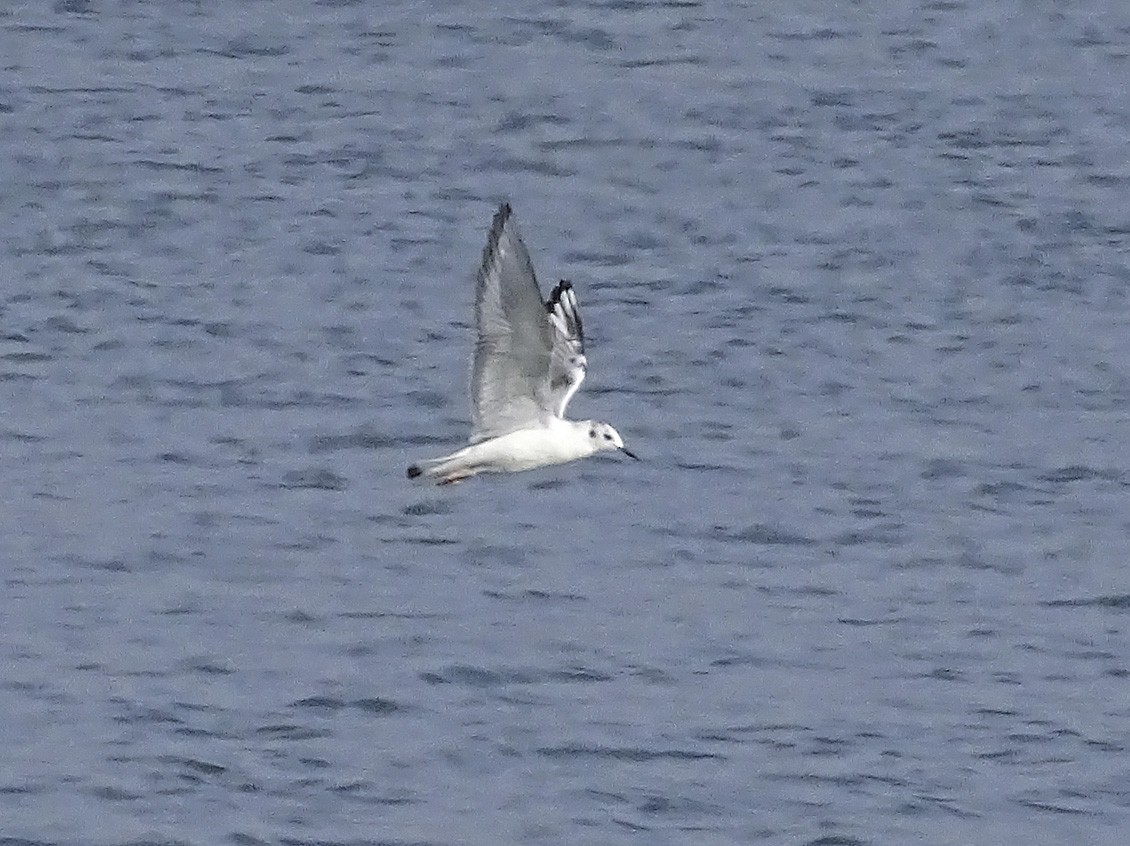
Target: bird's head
[605,437]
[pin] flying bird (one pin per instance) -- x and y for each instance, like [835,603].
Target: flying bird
[529,361]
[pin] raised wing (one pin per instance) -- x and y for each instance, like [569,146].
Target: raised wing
[511,364]
[567,363]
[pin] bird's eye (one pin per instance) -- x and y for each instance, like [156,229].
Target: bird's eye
[607,437]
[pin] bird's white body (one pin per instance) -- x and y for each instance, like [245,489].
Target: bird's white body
[529,361]
[557,442]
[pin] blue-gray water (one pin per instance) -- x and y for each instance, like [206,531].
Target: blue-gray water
[857,284]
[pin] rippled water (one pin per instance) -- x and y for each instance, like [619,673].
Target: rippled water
[856,282]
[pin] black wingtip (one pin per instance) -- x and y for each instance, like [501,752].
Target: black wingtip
[497,225]
[575,318]
[501,216]
[414,471]
[555,295]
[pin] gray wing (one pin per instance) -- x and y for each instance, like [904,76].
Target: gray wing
[511,365]
[567,362]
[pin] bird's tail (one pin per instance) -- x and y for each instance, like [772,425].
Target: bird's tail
[425,468]
[443,471]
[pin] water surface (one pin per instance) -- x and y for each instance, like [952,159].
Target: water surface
[855,280]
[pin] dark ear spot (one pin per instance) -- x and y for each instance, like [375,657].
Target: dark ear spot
[592,433]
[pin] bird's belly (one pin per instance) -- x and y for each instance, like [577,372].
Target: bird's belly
[530,448]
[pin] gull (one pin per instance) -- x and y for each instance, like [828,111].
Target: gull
[528,362]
